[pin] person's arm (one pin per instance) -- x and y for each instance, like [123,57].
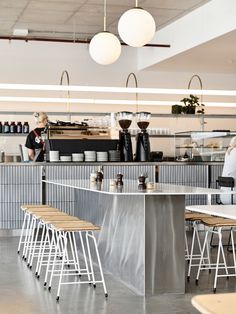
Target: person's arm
[29,145]
[31,153]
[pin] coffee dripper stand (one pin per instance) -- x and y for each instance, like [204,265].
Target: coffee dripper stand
[125,120]
[143,142]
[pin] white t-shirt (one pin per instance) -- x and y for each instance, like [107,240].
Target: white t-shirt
[229,170]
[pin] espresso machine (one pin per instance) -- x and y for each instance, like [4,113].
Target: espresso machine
[143,143]
[125,119]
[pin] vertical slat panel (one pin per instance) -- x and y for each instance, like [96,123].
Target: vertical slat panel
[19,184]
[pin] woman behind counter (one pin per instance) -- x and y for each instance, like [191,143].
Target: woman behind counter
[229,170]
[34,141]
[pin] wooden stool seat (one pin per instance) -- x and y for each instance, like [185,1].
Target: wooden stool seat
[218,222]
[42,210]
[75,226]
[24,206]
[195,216]
[224,303]
[40,215]
[58,218]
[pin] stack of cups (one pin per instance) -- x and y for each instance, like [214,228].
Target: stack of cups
[54,155]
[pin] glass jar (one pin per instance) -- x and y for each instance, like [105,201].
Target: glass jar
[26,127]
[12,127]
[6,127]
[19,127]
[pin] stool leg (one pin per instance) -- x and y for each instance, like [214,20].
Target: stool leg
[202,254]
[76,253]
[31,238]
[64,249]
[85,256]
[26,235]
[42,248]
[21,234]
[218,259]
[34,245]
[51,244]
[191,251]
[90,259]
[186,246]
[99,262]
[232,243]
[57,235]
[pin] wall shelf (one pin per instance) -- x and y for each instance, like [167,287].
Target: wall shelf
[13,134]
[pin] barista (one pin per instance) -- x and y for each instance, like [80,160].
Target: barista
[35,141]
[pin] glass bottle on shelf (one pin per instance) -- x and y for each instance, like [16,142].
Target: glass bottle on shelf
[12,127]
[0,127]
[19,127]
[6,127]
[26,127]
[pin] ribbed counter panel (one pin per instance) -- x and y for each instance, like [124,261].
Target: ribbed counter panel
[21,183]
[194,175]
[18,185]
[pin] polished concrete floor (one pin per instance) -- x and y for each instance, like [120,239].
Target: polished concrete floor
[22,293]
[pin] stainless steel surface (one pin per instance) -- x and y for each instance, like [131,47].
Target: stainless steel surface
[164,244]
[141,241]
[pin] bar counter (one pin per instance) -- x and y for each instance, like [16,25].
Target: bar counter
[22,182]
[141,241]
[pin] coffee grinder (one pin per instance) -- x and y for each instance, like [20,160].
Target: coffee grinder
[125,120]
[143,143]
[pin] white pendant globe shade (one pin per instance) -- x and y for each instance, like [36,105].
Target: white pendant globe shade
[105,48]
[136,27]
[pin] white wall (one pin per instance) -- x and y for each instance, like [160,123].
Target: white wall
[43,63]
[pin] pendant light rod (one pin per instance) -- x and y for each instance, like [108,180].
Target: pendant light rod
[105,16]
[136,3]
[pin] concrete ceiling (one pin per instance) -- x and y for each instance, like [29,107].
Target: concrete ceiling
[215,56]
[81,19]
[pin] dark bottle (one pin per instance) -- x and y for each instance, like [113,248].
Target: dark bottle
[26,127]
[12,127]
[19,127]
[0,127]
[6,127]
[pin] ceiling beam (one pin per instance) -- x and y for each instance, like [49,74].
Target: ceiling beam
[76,41]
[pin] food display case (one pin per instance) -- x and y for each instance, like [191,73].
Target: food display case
[202,146]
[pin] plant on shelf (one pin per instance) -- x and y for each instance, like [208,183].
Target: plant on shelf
[190,105]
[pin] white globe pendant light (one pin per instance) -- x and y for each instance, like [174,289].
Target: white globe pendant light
[105,47]
[136,27]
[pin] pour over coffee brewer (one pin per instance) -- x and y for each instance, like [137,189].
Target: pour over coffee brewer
[125,120]
[143,143]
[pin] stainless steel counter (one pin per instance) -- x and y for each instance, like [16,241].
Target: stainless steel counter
[21,182]
[141,241]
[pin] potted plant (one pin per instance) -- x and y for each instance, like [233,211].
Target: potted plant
[191,103]
[177,109]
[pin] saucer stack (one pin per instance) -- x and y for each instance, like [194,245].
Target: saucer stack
[65,158]
[102,156]
[114,155]
[90,155]
[78,157]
